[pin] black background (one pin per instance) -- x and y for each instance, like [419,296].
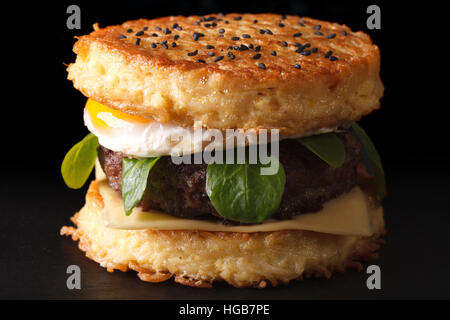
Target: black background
[42,118]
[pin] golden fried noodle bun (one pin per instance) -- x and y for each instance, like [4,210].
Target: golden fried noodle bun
[237,71]
[197,258]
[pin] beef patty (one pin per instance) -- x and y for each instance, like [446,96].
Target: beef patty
[179,190]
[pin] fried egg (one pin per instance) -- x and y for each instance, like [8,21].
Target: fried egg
[141,137]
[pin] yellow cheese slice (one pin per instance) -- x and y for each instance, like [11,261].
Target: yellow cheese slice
[346,215]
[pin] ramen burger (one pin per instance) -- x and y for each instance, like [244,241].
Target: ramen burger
[160,207]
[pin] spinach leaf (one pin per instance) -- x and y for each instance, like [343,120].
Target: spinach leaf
[239,192]
[134,180]
[374,160]
[326,146]
[79,162]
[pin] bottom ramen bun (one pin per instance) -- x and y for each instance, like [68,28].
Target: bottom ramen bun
[198,258]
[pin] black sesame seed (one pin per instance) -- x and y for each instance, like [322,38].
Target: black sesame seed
[231,55]
[269,32]
[197,35]
[175,25]
[235,38]
[243,47]
[208,46]
[328,54]
[221,30]
[138,41]
[145,28]
[305,53]
[250,45]
[331,36]
[218,58]
[281,25]
[139,33]
[207,25]
[274,53]
[318,33]
[317,27]
[153,45]
[214,24]
[167,31]
[298,34]
[257,48]
[297,44]
[201,61]
[229,48]
[262,65]
[284,43]
[175,37]
[257,56]
[193,53]
[307,45]
[300,49]
[211,54]
[237,18]
[314,50]
[226,22]
[174,44]
[297,66]
[247,36]
[255,21]
[344,33]
[154,35]
[300,23]
[158,29]
[130,30]
[333,58]
[121,36]
[262,31]
[165,45]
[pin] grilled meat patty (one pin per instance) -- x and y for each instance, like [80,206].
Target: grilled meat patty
[179,190]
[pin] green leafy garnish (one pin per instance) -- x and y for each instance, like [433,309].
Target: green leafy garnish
[326,146]
[374,160]
[134,180]
[239,192]
[79,162]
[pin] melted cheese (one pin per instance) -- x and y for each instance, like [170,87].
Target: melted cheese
[346,215]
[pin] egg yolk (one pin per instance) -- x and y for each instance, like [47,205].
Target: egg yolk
[105,117]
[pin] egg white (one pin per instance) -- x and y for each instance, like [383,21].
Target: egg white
[152,139]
